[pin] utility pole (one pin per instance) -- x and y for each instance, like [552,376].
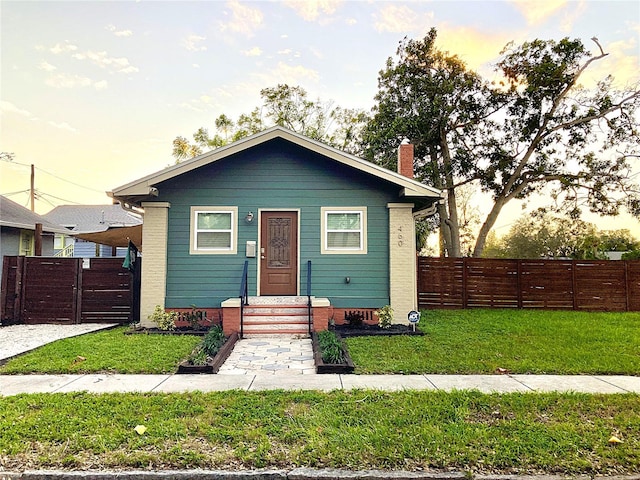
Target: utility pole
[33,193]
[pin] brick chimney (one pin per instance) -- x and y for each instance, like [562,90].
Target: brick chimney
[405,159]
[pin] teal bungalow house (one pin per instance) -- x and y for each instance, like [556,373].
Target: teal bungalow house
[311,231]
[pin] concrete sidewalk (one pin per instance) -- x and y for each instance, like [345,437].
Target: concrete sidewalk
[104,383]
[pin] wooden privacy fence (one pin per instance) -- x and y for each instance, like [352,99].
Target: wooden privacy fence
[68,291]
[548,284]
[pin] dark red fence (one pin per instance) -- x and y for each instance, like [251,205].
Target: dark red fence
[68,291]
[551,284]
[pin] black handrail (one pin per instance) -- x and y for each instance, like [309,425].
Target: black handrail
[309,293]
[244,295]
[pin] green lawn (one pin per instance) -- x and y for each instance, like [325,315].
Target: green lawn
[456,342]
[106,351]
[470,431]
[521,341]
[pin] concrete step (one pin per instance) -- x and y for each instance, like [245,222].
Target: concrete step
[276,319]
[276,316]
[256,310]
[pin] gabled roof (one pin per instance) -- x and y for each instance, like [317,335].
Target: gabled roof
[92,218]
[145,188]
[17,216]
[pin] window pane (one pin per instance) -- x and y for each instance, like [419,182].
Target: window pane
[214,240]
[214,221]
[343,240]
[343,221]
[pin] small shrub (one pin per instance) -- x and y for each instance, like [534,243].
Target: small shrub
[164,320]
[355,319]
[632,255]
[195,317]
[213,341]
[198,356]
[385,316]
[330,347]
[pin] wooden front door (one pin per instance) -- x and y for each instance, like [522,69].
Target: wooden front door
[279,253]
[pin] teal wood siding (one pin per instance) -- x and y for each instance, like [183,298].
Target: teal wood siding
[278,175]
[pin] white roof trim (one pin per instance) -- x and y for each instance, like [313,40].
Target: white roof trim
[144,186]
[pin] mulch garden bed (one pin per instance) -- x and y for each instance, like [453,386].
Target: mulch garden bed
[216,362]
[374,330]
[321,367]
[177,331]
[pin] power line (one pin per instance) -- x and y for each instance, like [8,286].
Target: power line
[51,174]
[39,197]
[40,194]
[14,193]
[68,181]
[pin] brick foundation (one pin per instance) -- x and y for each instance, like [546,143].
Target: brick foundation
[212,316]
[340,315]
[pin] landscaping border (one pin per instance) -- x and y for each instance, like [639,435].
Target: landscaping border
[345,331]
[157,331]
[214,365]
[322,367]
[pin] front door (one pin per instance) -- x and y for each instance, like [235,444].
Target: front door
[279,253]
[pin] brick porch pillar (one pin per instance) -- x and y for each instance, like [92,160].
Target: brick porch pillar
[231,316]
[320,308]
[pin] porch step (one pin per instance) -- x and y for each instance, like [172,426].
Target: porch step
[276,318]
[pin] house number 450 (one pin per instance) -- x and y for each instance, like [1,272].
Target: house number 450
[400,237]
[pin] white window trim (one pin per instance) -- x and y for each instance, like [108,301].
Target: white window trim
[193,224]
[27,243]
[324,248]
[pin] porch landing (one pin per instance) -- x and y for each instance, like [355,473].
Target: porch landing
[282,300]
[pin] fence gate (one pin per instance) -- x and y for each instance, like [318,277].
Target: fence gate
[68,291]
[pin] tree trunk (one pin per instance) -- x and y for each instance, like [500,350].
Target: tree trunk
[488,224]
[452,221]
[445,231]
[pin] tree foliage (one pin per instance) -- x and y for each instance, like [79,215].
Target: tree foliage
[537,131]
[430,98]
[544,235]
[288,107]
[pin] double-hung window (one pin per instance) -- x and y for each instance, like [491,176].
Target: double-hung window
[344,230]
[213,230]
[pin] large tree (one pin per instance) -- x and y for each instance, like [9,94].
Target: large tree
[288,107]
[545,235]
[537,129]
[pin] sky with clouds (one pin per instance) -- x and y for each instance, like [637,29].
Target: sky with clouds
[93,93]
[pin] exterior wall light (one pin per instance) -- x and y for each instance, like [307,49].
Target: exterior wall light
[249,217]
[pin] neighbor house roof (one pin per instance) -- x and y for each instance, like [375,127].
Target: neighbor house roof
[145,188]
[17,216]
[92,218]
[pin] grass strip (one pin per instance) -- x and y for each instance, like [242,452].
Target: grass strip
[477,341]
[108,351]
[411,430]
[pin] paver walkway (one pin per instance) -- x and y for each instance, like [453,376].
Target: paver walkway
[277,355]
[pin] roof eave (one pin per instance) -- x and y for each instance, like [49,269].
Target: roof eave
[30,226]
[144,189]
